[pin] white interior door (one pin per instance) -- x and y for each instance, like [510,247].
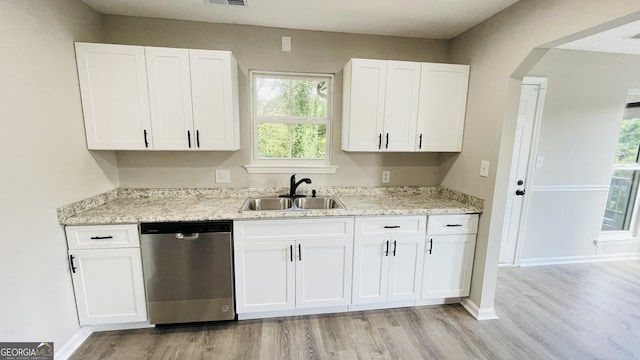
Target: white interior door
[528,113]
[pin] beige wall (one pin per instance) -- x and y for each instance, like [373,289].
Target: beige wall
[259,48]
[495,49]
[45,163]
[584,107]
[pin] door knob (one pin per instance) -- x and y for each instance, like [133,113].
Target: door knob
[520,192]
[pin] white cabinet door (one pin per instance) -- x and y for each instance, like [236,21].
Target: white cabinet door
[443,101]
[401,105]
[405,269]
[214,87]
[115,101]
[170,98]
[363,104]
[371,270]
[323,273]
[108,285]
[265,276]
[448,263]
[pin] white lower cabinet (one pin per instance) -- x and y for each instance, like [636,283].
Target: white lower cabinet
[107,274]
[388,259]
[448,256]
[315,265]
[292,264]
[265,277]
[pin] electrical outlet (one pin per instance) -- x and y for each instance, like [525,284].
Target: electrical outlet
[484,168]
[386,176]
[223,176]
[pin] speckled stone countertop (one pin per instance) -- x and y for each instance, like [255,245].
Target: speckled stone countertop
[122,206]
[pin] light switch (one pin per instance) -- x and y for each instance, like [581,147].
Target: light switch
[484,168]
[539,161]
[223,176]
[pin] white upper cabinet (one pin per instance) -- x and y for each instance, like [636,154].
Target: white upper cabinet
[214,82]
[363,104]
[115,101]
[443,101]
[380,105]
[186,99]
[170,97]
[403,106]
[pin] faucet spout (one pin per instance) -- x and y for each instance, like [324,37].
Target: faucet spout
[293,185]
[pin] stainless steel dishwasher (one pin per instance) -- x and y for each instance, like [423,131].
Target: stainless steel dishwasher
[188,271]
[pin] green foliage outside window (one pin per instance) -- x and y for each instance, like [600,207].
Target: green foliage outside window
[627,152]
[290,113]
[292,141]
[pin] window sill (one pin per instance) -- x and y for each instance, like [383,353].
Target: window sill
[288,169]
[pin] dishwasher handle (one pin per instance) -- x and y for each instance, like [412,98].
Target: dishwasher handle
[187,236]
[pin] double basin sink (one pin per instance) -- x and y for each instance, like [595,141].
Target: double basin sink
[291,204]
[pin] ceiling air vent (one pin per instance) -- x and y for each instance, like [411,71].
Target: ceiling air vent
[226,2]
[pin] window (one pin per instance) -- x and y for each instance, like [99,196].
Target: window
[620,209]
[291,120]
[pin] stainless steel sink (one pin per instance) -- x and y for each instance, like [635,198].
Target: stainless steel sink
[287,204]
[267,203]
[318,203]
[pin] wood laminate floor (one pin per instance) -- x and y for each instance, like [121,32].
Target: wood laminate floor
[576,311]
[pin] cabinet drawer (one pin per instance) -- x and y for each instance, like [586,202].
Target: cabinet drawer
[102,236]
[390,225]
[452,224]
[293,229]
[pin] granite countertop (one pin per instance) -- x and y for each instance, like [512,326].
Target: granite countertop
[122,206]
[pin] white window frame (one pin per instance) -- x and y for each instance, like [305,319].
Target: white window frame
[286,166]
[622,237]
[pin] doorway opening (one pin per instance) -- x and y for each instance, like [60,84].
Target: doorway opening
[525,144]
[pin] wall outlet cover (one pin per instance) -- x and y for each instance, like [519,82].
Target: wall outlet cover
[386,176]
[223,176]
[286,43]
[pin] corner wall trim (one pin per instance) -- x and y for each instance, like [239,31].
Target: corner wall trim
[66,350]
[477,312]
[578,259]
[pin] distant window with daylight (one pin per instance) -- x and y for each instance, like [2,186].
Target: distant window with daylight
[620,210]
[291,116]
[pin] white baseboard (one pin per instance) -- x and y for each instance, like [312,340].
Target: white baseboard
[125,326]
[66,350]
[380,306]
[444,301]
[577,259]
[477,312]
[294,312]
